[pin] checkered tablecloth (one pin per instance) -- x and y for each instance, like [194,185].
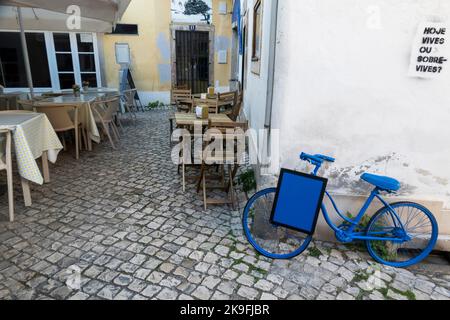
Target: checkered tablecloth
[32,135]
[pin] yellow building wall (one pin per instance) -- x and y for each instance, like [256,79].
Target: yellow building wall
[150,50]
[223,28]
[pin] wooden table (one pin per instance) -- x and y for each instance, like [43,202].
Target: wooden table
[190,119]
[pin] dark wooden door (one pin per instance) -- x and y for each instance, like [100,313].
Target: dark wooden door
[192,50]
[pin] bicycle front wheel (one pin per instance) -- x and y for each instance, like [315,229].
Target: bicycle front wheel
[270,240]
[417,234]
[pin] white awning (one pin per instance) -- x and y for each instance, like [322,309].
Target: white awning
[51,15]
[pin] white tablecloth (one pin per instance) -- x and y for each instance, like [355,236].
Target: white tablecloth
[33,135]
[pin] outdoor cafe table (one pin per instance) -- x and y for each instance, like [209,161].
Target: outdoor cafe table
[83,103]
[106,91]
[34,137]
[190,119]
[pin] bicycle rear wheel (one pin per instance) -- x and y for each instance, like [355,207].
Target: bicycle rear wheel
[272,241]
[419,228]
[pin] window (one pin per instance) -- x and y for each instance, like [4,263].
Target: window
[131,29]
[86,54]
[257,37]
[12,65]
[58,60]
[75,59]
[64,61]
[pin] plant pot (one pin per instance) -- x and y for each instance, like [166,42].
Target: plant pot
[76,93]
[86,89]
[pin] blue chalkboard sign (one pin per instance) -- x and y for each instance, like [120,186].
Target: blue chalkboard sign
[298,201]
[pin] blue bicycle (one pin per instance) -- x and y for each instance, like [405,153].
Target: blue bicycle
[398,235]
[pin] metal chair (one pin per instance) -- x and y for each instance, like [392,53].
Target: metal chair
[104,112]
[129,103]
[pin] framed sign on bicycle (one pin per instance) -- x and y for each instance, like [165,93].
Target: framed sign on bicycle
[298,201]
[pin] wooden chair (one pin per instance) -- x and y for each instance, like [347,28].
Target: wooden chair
[6,164]
[63,119]
[227,161]
[235,112]
[211,103]
[181,87]
[104,112]
[226,99]
[129,103]
[182,99]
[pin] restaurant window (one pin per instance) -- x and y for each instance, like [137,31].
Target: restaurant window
[86,55]
[257,36]
[64,61]
[75,59]
[12,65]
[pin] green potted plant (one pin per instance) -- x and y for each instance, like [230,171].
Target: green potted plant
[76,90]
[155,105]
[85,85]
[247,181]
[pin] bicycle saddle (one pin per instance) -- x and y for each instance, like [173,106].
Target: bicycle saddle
[384,183]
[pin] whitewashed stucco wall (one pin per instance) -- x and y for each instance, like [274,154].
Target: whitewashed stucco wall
[342,89]
[256,88]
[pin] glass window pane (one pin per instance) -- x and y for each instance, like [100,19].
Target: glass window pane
[85,42]
[91,78]
[37,52]
[66,80]
[87,63]
[257,31]
[12,66]
[62,42]
[64,62]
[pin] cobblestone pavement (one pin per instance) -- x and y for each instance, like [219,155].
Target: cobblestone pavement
[119,222]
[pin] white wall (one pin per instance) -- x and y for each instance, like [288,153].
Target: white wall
[342,89]
[256,89]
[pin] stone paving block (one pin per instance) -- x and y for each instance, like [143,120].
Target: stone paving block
[143,238]
[150,291]
[202,293]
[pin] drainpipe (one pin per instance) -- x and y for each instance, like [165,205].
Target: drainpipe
[272,58]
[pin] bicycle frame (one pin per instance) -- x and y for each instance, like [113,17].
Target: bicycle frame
[350,233]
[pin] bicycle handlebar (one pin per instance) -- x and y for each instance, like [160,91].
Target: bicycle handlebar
[317,159]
